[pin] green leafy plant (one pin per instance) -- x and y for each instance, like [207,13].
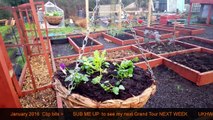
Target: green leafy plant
[110,88]
[98,64]
[54,13]
[115,31]
[20,61]
[95,63]
[125,69]
[135,59]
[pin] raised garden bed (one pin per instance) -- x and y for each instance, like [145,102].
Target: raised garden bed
[195,65]
[174,91]
[183,30]
[112,54]
[122,39]
[165,47]
[165,34]
[92,44]
[139,61]
[122,52]
[97,34]
[100,38]
[61,47]
[136,31]
[203,42]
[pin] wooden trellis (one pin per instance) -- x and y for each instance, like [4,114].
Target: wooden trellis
[10,86]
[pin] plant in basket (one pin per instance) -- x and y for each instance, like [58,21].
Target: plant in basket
[98,83]
[54,17]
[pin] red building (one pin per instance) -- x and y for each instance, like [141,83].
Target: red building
[209,4]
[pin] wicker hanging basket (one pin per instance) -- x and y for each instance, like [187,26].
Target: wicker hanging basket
[78,101]
[54,20]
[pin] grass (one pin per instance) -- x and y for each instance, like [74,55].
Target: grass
[11,51]
[72,29]
[5,30]
[20,61]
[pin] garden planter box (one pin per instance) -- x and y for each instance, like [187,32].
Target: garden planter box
[61,47]
[96,34]
[59,41]
[184,30]
[200,78]
[165,34]
[197,41]
[122,52]
[138,33]
[75,34]
[122,42]
[165,48]
[153,60]
[76,42]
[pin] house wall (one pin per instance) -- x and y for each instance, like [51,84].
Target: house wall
[105,10]
[173,5]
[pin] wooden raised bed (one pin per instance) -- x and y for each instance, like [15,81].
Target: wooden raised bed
[197,41]
[124,41]
[163,48]
[92,44]
[183,30]
[165,33]
[117,52]
[153,60]
[201,76]
[136,31]
[122,52]
[62,47]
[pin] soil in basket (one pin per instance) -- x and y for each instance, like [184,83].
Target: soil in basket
[133,86]
[78,41]
[201,62]
[174,91]
[160,48]
[199,43]
[124,37]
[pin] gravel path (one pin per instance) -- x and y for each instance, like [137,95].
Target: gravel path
[173,91]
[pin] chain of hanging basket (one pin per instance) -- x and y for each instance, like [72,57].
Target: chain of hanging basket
[84,43]
[137,42]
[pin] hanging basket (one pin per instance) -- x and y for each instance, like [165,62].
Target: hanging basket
[54,20]
[78,101]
